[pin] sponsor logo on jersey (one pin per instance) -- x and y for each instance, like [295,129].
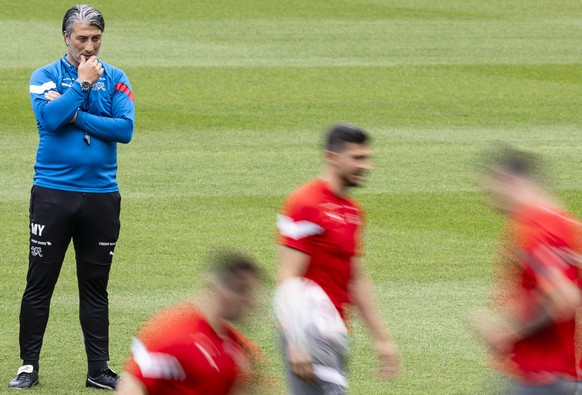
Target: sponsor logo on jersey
[98,86]
[336,217]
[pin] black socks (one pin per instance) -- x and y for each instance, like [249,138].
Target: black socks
[34,363]
[96,367]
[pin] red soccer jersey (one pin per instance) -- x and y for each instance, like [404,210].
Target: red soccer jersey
[327,227]
[178,352]
[541,237]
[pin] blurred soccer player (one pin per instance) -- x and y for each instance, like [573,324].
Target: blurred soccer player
[536,294]
[320,240]
[189,348]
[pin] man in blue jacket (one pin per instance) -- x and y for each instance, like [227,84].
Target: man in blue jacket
[84,108]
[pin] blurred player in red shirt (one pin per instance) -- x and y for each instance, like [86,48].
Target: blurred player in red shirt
[189,349]
[536,295]
[320,239]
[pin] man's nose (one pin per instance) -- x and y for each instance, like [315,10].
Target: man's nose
[366,165]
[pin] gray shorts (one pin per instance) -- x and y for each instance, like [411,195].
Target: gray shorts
[559,387]
[329,360]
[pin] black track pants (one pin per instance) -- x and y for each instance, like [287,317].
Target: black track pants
[91,220]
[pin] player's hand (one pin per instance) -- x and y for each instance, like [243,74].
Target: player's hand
[52,95]
[502,341]
[498,338]
[495,332]
[301,362]
[389,359]
[90,69]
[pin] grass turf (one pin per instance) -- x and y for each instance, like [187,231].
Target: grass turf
[231,98]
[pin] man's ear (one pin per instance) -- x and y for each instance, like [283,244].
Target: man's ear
[330,156]
[66,38]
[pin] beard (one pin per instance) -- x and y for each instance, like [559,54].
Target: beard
[350,182]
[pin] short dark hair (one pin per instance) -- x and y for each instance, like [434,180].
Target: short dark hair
[229,267]
[516,162]
[340,134]
[82,13]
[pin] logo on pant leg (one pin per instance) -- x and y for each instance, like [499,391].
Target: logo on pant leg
[36,229]
[36,251]
[42,243]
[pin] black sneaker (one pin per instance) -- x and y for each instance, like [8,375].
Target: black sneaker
[107,380]
[25,378]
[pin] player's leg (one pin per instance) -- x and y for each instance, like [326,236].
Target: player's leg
[95,240]
[295,385]
[559,387]
[50,234]
[329,359]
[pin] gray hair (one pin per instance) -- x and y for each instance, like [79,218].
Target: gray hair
[84,14]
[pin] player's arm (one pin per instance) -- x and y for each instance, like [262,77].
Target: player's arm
[293,263]
[558,299]
[129,385]
[558,296]
[119,130]
[118,127]
[53,110]
[362,297]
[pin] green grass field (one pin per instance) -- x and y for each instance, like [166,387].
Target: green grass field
[231,99]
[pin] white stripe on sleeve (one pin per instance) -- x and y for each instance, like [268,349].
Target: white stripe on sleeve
[297,230]
[40,89]
[156,365]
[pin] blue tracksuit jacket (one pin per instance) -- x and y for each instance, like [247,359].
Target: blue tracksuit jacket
[106,113]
